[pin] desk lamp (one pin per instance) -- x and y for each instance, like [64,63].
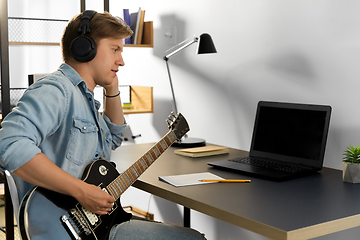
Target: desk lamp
[205,45]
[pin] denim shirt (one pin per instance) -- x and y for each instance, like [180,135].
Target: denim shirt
[59,117]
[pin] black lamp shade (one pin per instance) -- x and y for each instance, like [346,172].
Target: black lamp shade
[205,44]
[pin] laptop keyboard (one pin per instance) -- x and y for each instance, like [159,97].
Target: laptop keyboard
[282,167]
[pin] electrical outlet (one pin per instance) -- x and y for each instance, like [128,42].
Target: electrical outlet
[170,34]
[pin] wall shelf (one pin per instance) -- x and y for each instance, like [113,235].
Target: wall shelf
[34,43]
[35,31]
[141,100]
[38,33]
[148,36]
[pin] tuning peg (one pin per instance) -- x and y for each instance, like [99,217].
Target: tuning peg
[171,118]
[185,136]
[174,114]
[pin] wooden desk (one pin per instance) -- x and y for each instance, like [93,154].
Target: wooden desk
[301,208]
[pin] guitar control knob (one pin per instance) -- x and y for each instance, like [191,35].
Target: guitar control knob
[103,170]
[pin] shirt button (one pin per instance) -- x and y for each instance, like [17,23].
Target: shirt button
[84,128]
[96,155]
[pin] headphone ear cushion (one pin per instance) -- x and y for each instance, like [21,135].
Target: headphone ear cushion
[83,49]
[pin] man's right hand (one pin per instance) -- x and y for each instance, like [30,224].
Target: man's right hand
[41,171]
[95,199]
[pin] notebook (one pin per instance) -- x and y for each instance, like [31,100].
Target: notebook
[291,135]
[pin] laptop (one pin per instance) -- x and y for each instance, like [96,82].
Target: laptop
[288,141]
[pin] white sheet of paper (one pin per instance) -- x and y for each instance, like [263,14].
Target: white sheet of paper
[189,179]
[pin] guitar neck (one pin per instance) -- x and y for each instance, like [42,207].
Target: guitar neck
[127,178]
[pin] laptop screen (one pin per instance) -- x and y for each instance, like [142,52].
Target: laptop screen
[291,132]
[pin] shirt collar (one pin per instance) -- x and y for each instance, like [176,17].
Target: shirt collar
[71,74]
[75,79]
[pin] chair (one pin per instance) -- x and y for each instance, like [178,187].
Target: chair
[13,192]
[11,204]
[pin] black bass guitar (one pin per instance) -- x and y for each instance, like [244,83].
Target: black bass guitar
[46,214]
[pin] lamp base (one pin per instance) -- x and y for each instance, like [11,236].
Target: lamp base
[190,143]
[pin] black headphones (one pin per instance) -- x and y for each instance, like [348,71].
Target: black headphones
[82,48]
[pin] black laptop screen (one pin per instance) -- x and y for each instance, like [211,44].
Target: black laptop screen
[291,132]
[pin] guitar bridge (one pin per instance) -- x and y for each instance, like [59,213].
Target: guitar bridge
[71,230]
[79,221]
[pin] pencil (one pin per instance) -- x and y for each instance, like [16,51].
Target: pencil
[225,180]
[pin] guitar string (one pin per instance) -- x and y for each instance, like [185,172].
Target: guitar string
[114,186]
[168,139]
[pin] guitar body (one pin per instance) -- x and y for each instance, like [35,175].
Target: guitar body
[48,215]
[42,211]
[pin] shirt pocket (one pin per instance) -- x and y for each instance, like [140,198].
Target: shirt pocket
[83,141]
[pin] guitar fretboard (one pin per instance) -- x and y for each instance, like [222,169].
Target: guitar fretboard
[127,178]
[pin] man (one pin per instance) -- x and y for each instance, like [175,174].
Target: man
[56,129]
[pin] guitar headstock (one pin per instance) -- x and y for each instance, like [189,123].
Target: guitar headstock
[178,124]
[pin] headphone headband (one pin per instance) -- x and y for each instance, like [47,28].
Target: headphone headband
[86,17]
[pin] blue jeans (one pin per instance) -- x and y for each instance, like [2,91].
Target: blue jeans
[138,230]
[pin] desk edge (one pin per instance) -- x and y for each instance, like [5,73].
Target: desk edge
[325,228]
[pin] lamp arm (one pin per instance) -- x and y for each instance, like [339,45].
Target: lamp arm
[171,85]
[181,48]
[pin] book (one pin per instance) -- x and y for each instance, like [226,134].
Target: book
[138,15]
[128,106]
[141,27]
[189,179]
[127,21]
[202,151]
[133,20]
[125,93]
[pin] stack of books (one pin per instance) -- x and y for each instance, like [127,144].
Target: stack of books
[202,151]
[138,26]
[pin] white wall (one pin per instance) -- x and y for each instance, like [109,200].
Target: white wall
[304,51]
[298,51]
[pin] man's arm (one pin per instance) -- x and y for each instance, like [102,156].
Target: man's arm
[113,105]
[41,171]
